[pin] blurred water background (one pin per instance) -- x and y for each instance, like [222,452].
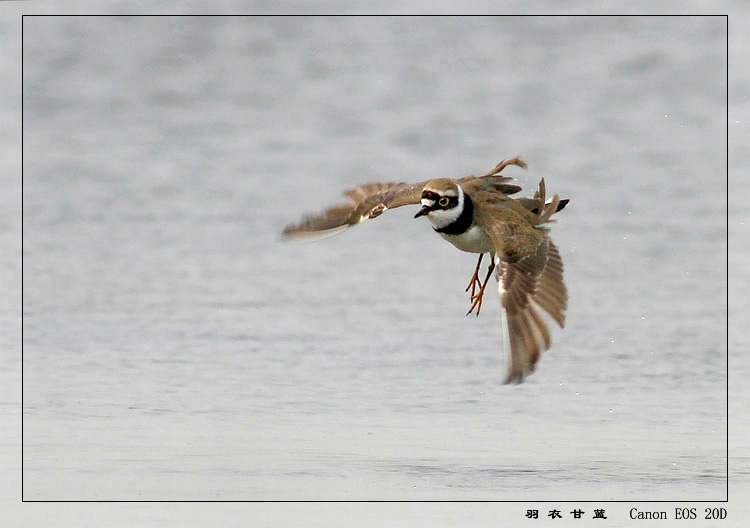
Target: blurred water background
[176,348]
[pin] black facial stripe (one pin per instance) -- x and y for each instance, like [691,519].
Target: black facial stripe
[435,197]
[452,202]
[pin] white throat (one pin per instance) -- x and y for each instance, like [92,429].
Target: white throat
[440,218]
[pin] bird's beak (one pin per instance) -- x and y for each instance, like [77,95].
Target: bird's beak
[423,211]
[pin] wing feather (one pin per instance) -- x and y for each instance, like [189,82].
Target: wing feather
[366,201]
[530,283]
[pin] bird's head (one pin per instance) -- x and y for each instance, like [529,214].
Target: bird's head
[442,202]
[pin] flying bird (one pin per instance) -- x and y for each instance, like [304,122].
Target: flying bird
[478,215]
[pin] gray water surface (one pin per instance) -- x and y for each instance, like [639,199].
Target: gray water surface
[175,348]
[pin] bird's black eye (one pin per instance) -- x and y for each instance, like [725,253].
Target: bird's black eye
[444,201]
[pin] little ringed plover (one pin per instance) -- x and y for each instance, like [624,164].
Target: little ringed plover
[477,215]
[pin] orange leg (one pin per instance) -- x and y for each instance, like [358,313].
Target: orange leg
[477,299]
[475,278]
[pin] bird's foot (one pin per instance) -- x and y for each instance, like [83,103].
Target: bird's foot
[476,299]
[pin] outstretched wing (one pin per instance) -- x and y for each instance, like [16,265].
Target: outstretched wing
[366,201]
[530,281]
[373,199]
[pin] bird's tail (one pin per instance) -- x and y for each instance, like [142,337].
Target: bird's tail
[540,207]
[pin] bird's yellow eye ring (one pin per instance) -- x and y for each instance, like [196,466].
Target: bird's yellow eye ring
[444,201]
